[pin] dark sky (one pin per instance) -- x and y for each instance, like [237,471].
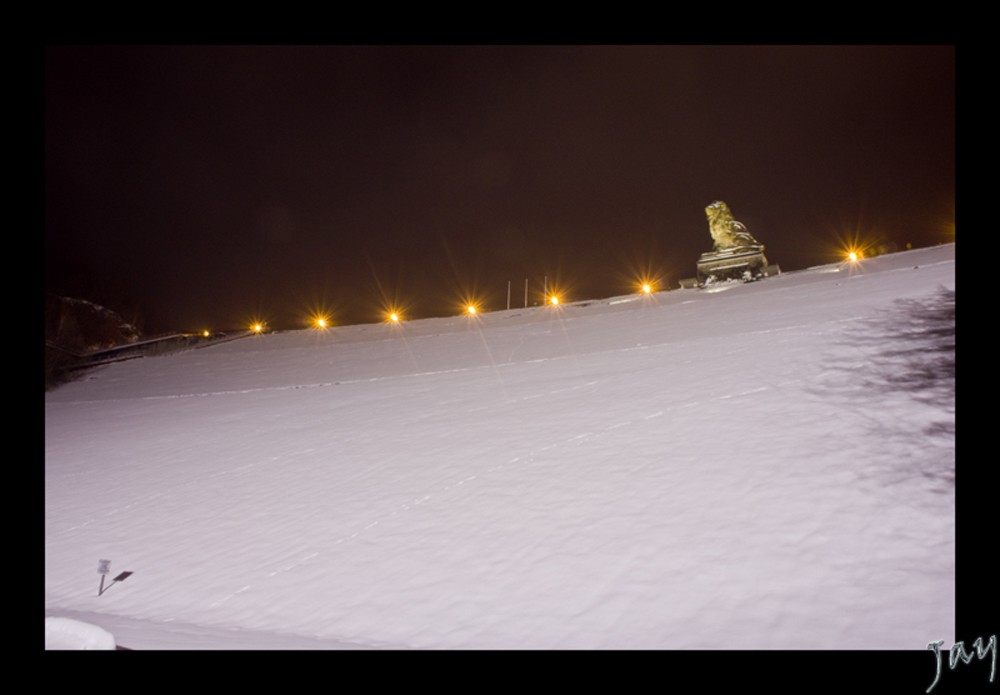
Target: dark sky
[200,186]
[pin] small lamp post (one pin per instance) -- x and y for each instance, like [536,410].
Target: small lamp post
[103,569]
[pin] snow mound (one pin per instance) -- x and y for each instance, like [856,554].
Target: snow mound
[69,634]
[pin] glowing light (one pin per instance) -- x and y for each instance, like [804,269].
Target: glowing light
[641,277]
[468,304]
[554,300]
[205,333]
[853,243]
[321,322]
[394,313]
[257,328]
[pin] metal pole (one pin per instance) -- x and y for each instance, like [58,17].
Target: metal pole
[525,293]
[103,568]
[508,295]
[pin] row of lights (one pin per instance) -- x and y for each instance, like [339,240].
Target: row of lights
[853,255]
[395,316]
[472,309]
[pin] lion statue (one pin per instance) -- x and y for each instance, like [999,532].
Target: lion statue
[726,232]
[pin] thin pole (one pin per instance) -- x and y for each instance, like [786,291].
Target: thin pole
[508,295]
[525,293]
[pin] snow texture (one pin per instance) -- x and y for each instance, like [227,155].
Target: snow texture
[758,466]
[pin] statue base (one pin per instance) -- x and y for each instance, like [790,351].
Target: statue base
[736,263]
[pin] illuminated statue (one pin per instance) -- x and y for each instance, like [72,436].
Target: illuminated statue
[726,231]
[735,255]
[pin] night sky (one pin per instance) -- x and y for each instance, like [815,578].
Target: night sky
[200,187]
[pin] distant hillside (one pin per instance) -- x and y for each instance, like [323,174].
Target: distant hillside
[74,327]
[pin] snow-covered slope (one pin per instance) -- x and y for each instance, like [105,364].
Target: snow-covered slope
[767,465]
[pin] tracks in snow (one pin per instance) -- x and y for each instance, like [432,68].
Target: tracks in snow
[467,482]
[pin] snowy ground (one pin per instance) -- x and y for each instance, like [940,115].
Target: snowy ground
[768,465]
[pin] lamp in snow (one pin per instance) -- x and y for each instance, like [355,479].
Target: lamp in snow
[104,569]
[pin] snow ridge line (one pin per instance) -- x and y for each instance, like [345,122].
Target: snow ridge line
[293,387]
[458,370]
[246,466]
[421,500]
